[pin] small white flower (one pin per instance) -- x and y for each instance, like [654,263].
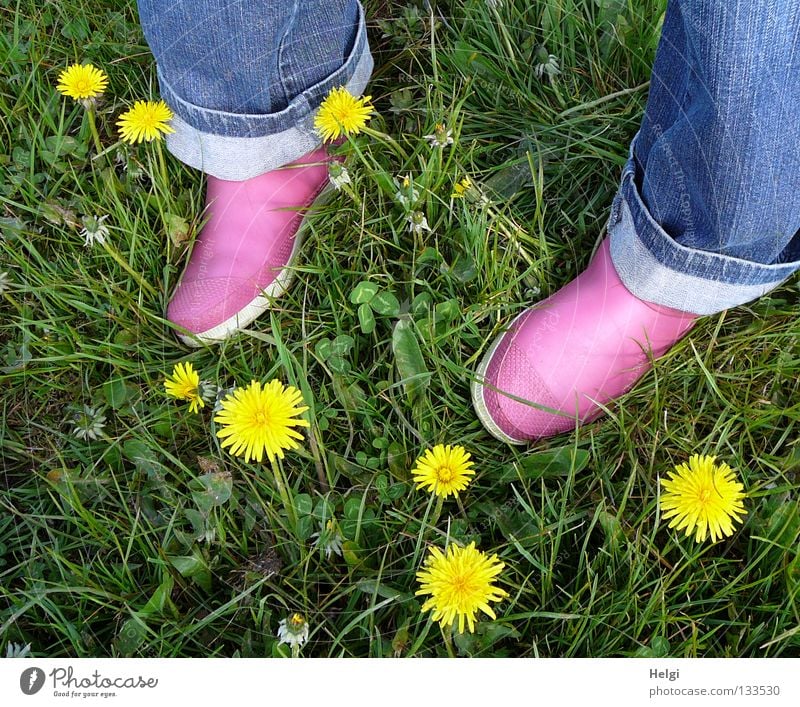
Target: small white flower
[208,391]
[5,282]
[329,538]
[440,137]
[17,650]
[293,630]
[417,223]
[338,175]
[407,195]
[547,64]
[94,231]
[89,423]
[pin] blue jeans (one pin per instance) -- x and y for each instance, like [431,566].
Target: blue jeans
[245,77]
[708,212]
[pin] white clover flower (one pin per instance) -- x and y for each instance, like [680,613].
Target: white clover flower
[94,231]
[407,195]
[5,282]
[338,175]
[329,538]
[417,223]
[440,137]
[89,423]
[293,630]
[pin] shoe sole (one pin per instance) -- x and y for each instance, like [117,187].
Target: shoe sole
[477,390]
[260,304]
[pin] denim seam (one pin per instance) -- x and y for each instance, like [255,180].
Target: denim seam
[281,47]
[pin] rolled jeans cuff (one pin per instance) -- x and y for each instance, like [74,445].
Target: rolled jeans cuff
[238,146]
[657,269]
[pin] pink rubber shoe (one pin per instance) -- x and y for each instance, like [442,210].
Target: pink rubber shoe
[241,258]
[586,344]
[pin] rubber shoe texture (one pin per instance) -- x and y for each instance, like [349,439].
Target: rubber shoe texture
[582,347]
[240,260]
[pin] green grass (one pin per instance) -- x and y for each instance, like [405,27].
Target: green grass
[152,541]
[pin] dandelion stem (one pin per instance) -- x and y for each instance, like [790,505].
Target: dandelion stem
[98,145]
[280,482]
[437,511]
[448,640]
[162,164]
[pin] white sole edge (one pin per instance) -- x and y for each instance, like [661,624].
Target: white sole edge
[252,311]
[477,390]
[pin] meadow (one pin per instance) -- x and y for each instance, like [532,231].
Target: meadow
[125,528]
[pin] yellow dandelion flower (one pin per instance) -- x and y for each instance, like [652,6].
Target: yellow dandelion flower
[704,497]
[341,113]
[444,470]
[459,583]
[184,384]
[260,418]
[461,188]
[81,81]
[147,120]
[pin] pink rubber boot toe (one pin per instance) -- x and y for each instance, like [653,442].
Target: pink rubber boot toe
[241,258]
[580,348]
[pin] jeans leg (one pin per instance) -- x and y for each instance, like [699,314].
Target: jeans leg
[245,77]
[708,212]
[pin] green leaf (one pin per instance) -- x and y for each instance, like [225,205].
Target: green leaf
[115,392]
[186,565]
[374,588]
[386,304]
[409,360]
[366,319]
[177,228]
[305,528]
[144,458]
[397,491]
[549,464]
[193,567]
[342,344]
[352,508]
[76,28]
[339,364]
[659,646]
[463,268]
[398,460]
[157,602]
[420,305]
[303,504]
[217,486]
[351,553]
[363,292]
[203,501]
[131,635]
[198,521]
[324,348]
[447,311]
